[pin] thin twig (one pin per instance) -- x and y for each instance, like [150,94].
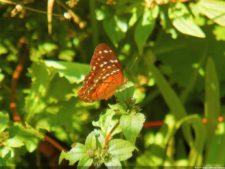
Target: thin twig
[15,78]
[54,143]
[29,8]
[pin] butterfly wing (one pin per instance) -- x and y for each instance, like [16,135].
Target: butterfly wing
[105,77]
[107,88]
[102,55]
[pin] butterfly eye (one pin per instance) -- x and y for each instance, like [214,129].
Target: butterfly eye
[105,77]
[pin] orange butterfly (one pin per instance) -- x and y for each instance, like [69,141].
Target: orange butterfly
[105,77]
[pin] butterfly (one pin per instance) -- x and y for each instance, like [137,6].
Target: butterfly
[105,77]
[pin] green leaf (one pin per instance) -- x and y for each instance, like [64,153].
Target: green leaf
[19,136]
[4,119]
[143,29]
[85,162]
[212,102]
[1,75]
[168,93]
[182,20]
[131,125]
[219,32]
[125,93]
[106,123]
[200,137]
[115,28]
[121,149]
[214,10]
[158,144]
[74,72]
[74,155]
[3,49]
[67,55]
[187,26]
[172,100]
[47,47]
[137,11]
[91,142]
[114,162]
[216,148]
[48,105]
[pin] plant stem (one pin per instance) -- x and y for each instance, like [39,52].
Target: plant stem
[108,136]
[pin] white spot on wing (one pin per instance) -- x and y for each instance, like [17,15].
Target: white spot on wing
[105,51]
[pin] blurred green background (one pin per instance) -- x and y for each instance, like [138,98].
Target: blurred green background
[173,52]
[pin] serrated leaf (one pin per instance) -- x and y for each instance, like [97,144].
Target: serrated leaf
[121,149]
[74,155]
[182,20]
[85,162]
[143,29]
[131,125]
[213,9]
[4,119]
[91,142]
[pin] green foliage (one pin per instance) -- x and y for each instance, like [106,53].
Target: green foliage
[100,145]
[131,125]
[144,28]
[183,21]
[172,54]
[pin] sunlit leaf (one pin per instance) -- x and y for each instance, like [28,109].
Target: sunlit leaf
[121,149]
[131,125]
[115,28]
[183,21]
[74,155]
[91,142]
[214,10]
[85,162]
[143,29]
[19,136]
[113,163]
[4,119]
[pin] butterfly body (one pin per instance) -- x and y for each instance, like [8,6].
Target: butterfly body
[105,77]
